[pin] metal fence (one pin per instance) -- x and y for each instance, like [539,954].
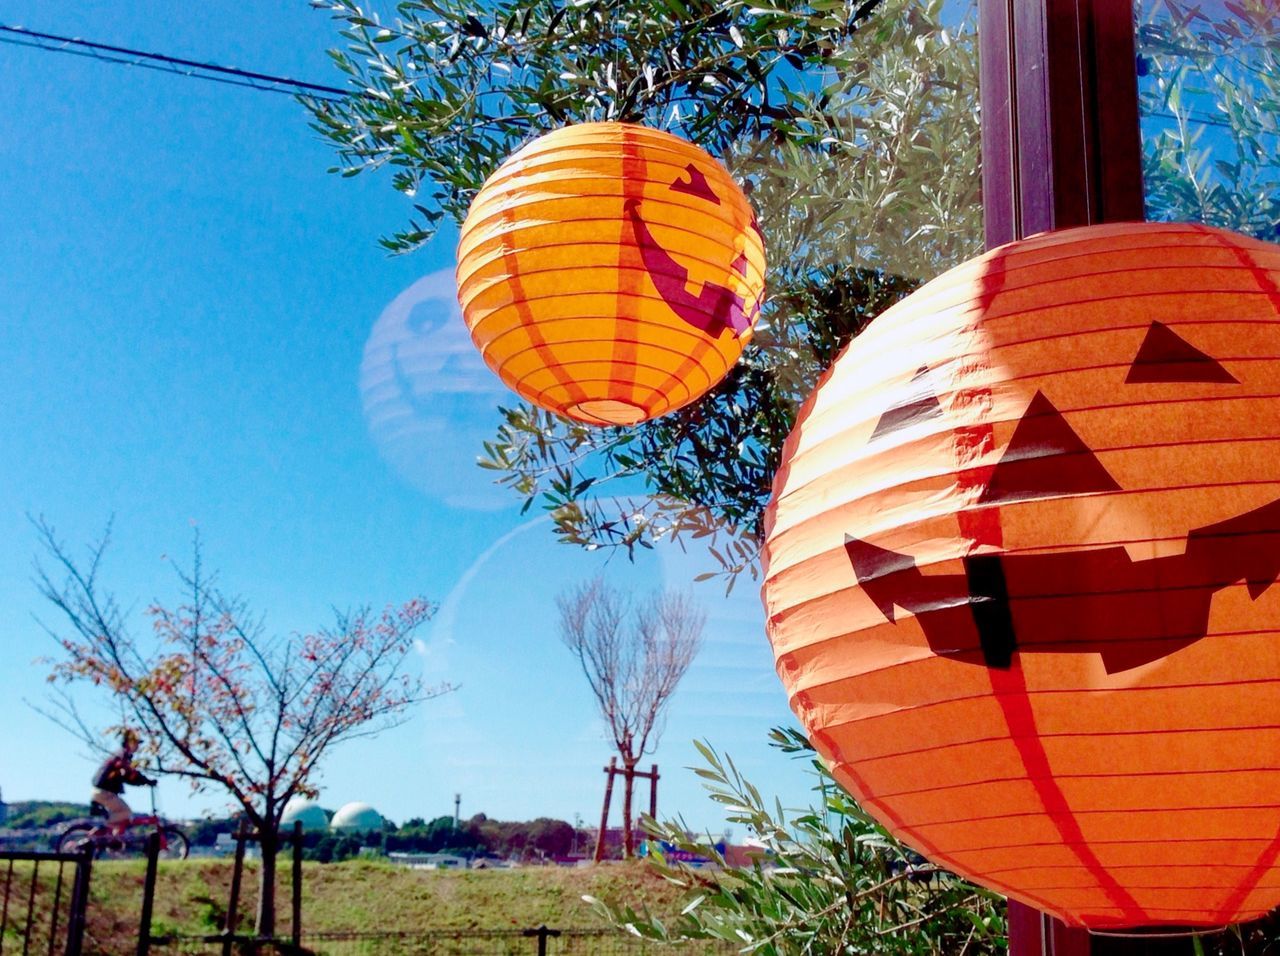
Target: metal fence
[42,909]
[542,941]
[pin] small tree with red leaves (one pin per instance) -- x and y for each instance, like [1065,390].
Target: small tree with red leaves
[217,700]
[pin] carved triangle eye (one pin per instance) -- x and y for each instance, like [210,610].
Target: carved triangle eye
[1165,356]
[919,405]
[696,186]
[1046,459]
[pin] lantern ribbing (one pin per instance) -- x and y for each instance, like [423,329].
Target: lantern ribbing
[610,273]
[1020,560]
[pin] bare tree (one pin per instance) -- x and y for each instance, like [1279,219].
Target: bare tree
[219,702]
[633,654]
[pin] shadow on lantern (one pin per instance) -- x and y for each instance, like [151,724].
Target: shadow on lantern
[429,401]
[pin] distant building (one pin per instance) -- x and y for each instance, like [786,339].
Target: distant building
[673,854]
[356,817]
[735,856]
[224,844]
[310,815]
[429,861]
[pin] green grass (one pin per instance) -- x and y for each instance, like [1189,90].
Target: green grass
[365,895]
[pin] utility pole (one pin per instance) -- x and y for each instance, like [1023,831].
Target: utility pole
[457,811]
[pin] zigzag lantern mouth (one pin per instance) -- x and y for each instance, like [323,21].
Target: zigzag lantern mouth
[716,309]
[1025,607]
[574,272]
[1090,600]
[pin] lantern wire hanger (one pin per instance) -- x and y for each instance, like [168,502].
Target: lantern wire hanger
[615,42]
[1159,934]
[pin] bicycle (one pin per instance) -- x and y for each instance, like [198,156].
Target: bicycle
[103,843]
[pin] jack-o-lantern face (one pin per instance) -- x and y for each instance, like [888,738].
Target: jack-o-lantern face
[1020,559]
[717,309]
[610,273]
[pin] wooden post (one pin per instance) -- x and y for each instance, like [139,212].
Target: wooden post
[1060,148]
[79,903]
[611,770]
[56,911]
[296,934]
[233,904]
[148,894]
[543,934]
[653,792]
[1059,90]
[31,904]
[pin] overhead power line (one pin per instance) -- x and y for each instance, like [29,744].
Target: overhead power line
[264,82]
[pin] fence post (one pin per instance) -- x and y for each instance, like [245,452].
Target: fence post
[57,906]
[31,905]
[148,894]
[611,770]
[229,930]
[79,903]
[543,934]
[296,937]
[4,913]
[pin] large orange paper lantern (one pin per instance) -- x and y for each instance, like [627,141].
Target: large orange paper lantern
[1019,568]
[610,273]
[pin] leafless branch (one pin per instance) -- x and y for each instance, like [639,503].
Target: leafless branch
[633,655]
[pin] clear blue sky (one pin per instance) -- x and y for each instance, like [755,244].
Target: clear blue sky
[199,327]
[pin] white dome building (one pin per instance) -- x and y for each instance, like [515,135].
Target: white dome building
[355,817]
[311,815]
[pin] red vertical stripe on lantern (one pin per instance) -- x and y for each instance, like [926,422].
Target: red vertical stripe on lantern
[607,333]
[631,277]
[982,526]
[697,359]
[1092,744]
[1266,860]
[1010,689]
[895,824]
[527,319]
[1266,280]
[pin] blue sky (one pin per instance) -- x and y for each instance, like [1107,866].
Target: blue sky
[199,328]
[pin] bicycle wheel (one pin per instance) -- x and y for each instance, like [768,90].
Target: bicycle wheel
[176,845]
[76,838]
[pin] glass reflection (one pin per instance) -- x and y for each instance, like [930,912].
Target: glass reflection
[1209,90]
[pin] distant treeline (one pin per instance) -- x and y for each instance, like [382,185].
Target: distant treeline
[38,814]
[543,838]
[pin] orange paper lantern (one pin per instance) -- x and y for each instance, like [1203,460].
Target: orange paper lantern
[610,273]
[1019,568]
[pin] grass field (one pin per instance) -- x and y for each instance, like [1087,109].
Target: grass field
[363,895]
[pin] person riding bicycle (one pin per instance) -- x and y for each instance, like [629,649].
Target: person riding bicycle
[110,780]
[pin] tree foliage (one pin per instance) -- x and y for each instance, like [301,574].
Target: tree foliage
[1210,92]
[827,879]
[42,814]
[451,88]
[851,125]
[217,700]
[531,840]
[859,149]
